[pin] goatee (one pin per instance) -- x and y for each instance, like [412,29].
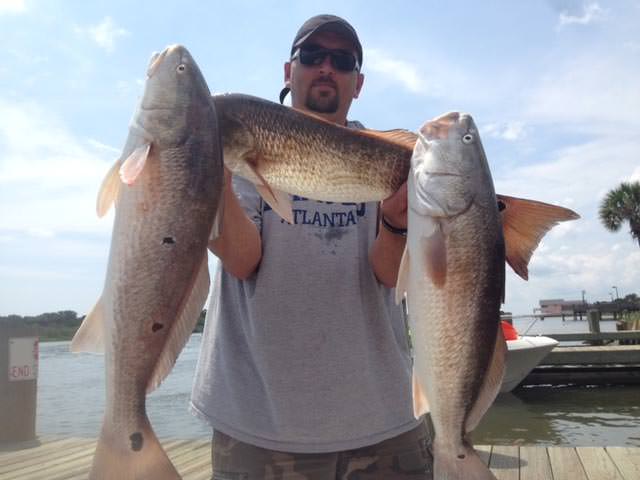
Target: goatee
[323,100]
[323,104]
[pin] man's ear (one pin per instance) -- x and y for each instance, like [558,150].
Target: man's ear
[359,83]
[287,74]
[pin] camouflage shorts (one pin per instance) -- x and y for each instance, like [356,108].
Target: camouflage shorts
[407,456]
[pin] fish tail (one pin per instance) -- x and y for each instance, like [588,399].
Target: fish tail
[131,455]
[462,463]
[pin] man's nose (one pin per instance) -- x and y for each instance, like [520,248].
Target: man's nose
[326,65]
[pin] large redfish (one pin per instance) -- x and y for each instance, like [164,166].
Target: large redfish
[453,274]
[166,188]
[286,151]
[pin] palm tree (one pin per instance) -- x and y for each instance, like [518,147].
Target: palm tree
[620,204]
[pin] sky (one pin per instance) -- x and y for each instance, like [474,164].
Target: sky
[552,85]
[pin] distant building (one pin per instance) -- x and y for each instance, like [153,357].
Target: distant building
[559,306]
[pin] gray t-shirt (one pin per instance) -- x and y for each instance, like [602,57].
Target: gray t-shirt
[310,354]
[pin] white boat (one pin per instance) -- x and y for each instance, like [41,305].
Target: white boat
[523,355]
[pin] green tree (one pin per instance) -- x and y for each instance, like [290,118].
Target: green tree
[622,204]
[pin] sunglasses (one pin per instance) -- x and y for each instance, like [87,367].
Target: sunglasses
[341,60]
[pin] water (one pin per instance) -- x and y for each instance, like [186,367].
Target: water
[535,326]
[71,394]
[71,402]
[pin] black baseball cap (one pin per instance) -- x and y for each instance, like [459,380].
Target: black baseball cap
[324,23]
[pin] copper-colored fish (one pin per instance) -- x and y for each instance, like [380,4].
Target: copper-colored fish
[285,151]
[452,272]
[166,188]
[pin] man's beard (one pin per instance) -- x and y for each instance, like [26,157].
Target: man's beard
[323,104]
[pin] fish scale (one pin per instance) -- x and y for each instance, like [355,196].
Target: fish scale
[452,272]
[305,155]
[166,188]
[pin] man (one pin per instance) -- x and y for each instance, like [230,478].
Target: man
[305,369]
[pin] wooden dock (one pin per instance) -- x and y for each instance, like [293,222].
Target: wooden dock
[70,458]
[603,364]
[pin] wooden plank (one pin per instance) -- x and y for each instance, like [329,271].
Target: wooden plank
[579,337]
[598,464]
[565,464]
[73,464]
[627,460]
[39,458]
[204,474]
[192,452]
[51,466]
[534,463]
[45,448]
[505,462]
[79,469]
[70,459]
[197,469]
[613,354]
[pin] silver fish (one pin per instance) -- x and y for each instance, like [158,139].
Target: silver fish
[166,187]
[453,275]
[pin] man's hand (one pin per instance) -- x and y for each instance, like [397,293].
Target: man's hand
[386,251]
[394,208]
[239,245]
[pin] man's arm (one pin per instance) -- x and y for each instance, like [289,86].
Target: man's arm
[238,247]
[386,251]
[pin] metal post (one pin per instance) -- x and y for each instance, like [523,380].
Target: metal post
[593,317]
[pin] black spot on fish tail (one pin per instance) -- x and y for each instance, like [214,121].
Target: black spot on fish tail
[156,326]
[501,205]
[461,457]
[168,241]
[136,441]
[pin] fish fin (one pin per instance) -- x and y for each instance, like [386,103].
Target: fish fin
[216,229]
[524,223]
[461,463]
[90,335]
[420,400]
[403,276]
[108,190]
[182,327]
[406,138]
[435,255]
[491,383]
[128,454]
[134,164]
[279,201]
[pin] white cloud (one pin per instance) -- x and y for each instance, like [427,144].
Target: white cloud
[49,178]
[104,34]
[592,12]
[399,71]
[633,46]
[435,78]
[12,6]
[590,92]
[635,176]
[511,131]
[578,173]
[580,254]
[592,266]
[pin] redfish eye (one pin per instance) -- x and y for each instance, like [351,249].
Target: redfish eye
[467,139]
[181,68]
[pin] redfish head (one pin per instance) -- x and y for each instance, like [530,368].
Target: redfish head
[173,80]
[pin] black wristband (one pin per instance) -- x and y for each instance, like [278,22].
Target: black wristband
[392,229]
